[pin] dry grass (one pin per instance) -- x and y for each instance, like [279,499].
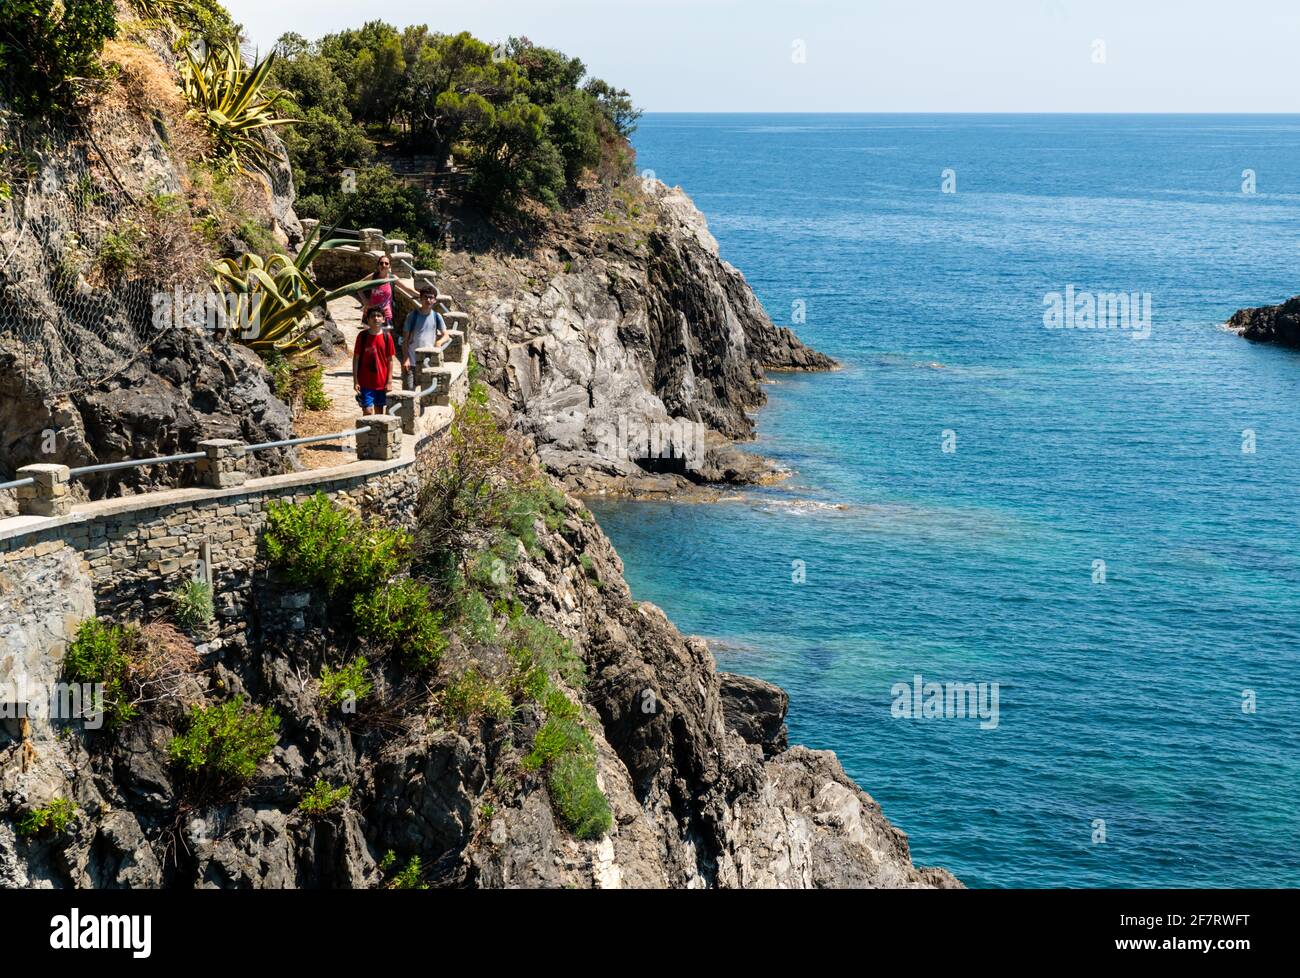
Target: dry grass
[146,84]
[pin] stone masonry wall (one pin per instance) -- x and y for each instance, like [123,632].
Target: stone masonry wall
[137,552]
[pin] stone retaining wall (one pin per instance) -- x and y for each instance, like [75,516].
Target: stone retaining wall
[138,549]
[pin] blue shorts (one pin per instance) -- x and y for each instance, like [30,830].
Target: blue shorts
[372,399]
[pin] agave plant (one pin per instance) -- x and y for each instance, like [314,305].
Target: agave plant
[160,9]
[270,298]
[227,95]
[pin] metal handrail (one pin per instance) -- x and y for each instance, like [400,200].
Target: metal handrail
[308,440]
[188,456]
[195,456]
[135,463]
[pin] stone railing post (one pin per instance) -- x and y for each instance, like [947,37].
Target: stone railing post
[454,351]
[442,394]
[406,408]
[48,495]
[442,302]
[427,359]
[457,320]
[383,442]
[224,466]
[372,239]
[309,224]
[423,277]
[394,245]
[403,264]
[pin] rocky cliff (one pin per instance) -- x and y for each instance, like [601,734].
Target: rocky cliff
[109,207]
[703,790]
[1269,324]
[630,350]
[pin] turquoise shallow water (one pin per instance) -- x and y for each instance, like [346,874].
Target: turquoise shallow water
[1118,701]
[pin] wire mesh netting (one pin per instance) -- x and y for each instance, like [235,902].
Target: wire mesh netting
[72,307]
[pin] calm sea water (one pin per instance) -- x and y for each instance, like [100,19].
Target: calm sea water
[1120,704]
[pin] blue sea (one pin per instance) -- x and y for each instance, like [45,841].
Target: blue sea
[1104,526]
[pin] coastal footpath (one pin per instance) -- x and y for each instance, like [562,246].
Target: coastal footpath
[617,316]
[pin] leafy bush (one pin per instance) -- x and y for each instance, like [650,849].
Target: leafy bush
[578,798]
[589,568]
[311,542]
[399,615]
[350,682]
[314,397]
[101,655]
[53,818]
[226,742]
[46,46]
[532,643]
[297,377]
[119,251]
[558,736]
[322,545]
[322,798]
[192,605]
[472,695]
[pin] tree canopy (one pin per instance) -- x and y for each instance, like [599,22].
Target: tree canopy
[524,120]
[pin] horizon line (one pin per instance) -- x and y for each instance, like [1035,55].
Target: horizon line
[942,112]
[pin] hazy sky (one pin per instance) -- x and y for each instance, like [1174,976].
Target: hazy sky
[880,55]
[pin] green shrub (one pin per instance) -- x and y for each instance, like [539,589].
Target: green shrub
[472,695]
[398,616]
[310,541]
[53,818]
[578,798]
[558,736]
[46,46]
[314,397]
[349,683]
[119,252]
[226,742]
[259,237]
[533,643]
[322,798]
[379,553]
[322,545]
[530,502]
[589,568]
[101,655]
[192,605]
[410,878]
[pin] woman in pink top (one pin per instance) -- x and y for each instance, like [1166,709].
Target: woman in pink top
[381,296]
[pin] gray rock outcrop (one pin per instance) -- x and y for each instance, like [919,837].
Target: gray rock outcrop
[632,352]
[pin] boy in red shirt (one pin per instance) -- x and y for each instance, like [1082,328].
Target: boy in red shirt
[372,363]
